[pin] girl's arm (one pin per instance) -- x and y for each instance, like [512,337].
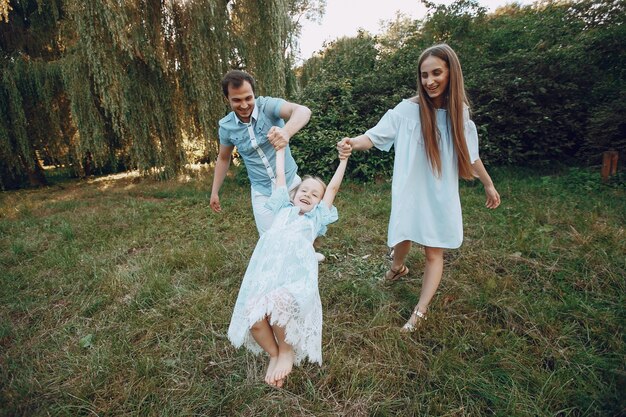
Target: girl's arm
[493,198]
[335,182]
[280,168]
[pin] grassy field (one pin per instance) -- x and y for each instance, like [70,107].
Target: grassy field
[116,294]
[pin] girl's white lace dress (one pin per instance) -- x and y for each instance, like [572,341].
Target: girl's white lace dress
[281,280]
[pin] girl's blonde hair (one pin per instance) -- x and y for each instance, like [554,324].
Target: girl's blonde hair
[455,103]
[293,192]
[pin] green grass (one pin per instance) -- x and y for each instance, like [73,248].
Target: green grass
[116,294]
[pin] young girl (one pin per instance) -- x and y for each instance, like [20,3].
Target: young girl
[436,142]
[278,309]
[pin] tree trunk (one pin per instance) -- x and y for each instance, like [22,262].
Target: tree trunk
[36,176]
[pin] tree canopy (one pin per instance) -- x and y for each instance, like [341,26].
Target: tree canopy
[546,81]
[130,84]
[108,85]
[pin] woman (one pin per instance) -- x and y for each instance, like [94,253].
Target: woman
[436,142]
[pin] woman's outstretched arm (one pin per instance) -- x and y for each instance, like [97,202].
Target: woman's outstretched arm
[359,143]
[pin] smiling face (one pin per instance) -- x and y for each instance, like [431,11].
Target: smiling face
[435,77]
[241,100]
[308,194]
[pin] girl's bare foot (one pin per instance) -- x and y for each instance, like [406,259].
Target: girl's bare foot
[283,367]
[270,370]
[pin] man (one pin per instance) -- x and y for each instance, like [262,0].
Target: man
[257,126]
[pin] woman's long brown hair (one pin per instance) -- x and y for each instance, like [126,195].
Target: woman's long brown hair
[455,103]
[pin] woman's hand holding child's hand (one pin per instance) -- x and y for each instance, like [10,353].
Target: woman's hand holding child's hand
[345,148]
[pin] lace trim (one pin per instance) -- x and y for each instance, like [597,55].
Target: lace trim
[303,329]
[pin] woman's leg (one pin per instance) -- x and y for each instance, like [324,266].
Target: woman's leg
[400,252]
[285,357]
[432,277]
[264,335]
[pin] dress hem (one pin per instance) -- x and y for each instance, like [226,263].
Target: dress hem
[440,246]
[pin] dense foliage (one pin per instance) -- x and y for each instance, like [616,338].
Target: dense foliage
[103,86]
[547,82]
[107,85]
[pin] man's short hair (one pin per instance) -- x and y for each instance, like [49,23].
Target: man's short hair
[236,78]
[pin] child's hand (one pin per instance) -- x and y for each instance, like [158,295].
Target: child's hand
[344,147]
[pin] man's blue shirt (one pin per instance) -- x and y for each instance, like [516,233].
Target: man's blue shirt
[234,132]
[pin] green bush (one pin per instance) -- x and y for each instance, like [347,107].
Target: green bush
[546,82]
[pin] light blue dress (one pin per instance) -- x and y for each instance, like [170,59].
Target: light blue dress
[424,208]
[281,280]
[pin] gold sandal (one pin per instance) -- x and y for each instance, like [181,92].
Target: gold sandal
[420,319]
[396,275]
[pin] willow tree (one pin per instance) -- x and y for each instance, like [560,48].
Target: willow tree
[262,28]
[128,84]
[299,10]
[125,54]
[197,25]
[266,39]
[31,103]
